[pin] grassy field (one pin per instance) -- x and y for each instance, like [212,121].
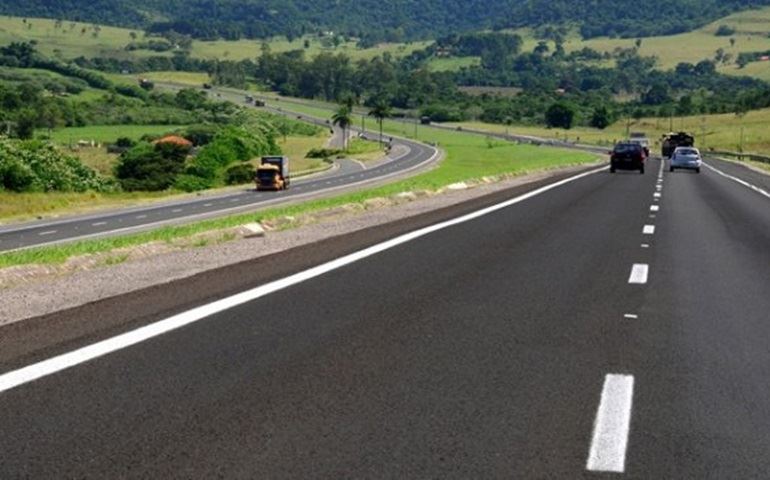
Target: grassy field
[452,64]
[107,133]
[752,28]
[720,132]
[73,39]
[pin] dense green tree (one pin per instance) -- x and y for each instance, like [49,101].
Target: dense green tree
[560,115]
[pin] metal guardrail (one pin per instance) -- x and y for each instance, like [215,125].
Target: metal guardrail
[742,156]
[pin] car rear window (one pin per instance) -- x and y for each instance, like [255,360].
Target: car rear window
[687,151]
[627,148]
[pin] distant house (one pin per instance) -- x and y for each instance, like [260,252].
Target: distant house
[175,139]
[764,58]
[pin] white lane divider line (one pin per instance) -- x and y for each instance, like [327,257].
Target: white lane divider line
[639,273]
[631,316]
[139,217]
[654,208]
[85,354]
[613,421]
[98,224]
[176,210]
[738,180]
[648,229]
[48,232]
[656,194]
[645,245]
[208,204]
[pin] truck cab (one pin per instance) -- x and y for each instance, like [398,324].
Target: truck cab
[273,173]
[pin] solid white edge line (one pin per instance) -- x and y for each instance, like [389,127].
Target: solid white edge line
[639,273]
[738,180]
[56,364]
[612,424]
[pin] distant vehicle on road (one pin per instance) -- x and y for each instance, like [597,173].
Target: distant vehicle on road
[641,139]
[259,103]
[273,173]
[627,156]
[249,99]
[686,157]
[673,140]
[425,120]
[207,86]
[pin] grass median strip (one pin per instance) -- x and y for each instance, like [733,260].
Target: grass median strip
[468,157]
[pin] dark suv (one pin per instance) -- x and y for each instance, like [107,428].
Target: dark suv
[627,156]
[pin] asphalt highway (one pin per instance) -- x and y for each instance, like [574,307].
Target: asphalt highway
[408,156]
[615,325]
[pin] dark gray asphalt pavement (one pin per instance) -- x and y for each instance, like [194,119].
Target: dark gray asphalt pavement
[477,351]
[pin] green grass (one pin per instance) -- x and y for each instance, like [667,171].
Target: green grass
[67,43]
[467,157]
[107,133]
[452,64]
[752,27]
[720,132]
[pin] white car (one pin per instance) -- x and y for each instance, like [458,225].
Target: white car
[686,157]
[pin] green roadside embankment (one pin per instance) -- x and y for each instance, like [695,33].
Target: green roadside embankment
[467,157]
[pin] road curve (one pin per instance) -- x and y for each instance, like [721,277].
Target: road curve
[408,157]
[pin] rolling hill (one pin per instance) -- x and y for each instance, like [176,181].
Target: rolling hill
[375,20]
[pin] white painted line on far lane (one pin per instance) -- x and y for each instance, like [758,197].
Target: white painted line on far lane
[645,245]
[654,208]
[738,180]
[49,232]
[85,354]
[639,273]
[613,421]
[98,224]
[631,316]
[648,229]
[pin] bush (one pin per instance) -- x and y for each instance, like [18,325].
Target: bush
[38,166]
[191,183]
[239,174]
[323,153]
[150,167]
[560,115]
[724,31]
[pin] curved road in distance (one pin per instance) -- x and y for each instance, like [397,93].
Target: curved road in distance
[128,220]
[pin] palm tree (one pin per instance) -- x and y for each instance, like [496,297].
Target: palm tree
[380,111]
[342,119]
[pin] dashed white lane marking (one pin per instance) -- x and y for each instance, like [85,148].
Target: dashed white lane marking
[207,204]
[97,224]
[648,229]
[654,208]
[645,245]
[613,420]
[176,210]
[49,232]
[738,180]
[631,316]
[656,194]
[85,354]
[139,217]
[233,200]
[639,273]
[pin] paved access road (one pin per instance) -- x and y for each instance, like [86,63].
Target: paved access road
[615,323]
[408,156]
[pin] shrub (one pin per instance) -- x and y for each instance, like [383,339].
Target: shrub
[150,167]
[239,174]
